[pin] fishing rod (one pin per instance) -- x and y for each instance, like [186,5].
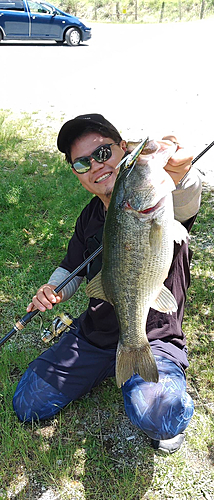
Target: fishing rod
[21,323]
[202,153]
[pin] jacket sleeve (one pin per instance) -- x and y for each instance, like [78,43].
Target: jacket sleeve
[58,276]
[187,196]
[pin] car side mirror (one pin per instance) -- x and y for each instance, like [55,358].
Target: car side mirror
[54,13]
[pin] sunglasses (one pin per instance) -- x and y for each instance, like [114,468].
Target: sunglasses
[101,154]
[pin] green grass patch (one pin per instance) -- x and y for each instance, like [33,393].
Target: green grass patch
[199,317]
[85,452]
[36,193]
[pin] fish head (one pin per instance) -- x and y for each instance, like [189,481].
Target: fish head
[147,184]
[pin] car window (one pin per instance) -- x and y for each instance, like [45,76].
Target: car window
[39,8]
[12,5]
[60,13]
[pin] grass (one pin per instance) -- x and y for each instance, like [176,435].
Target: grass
[86,451]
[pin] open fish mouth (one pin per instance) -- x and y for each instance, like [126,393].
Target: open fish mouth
[147,211]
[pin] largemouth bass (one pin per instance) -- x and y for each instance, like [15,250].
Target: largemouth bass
[138,242]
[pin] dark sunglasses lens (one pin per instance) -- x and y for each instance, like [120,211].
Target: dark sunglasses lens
[101,154]
[82,166]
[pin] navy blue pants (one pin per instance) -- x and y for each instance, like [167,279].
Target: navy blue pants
[161,410]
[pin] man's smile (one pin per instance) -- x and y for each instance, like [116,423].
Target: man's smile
[103,177]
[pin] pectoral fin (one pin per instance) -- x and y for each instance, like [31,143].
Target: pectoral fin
[155,237]
[95,288]
[165,302]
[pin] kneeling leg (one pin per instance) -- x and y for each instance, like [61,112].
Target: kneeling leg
[36,399]
[161,410]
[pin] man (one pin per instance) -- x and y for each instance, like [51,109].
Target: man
[85,355]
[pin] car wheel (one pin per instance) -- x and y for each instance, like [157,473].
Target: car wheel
[1,36]
[72,36]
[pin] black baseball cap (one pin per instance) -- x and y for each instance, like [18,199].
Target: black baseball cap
[75,127]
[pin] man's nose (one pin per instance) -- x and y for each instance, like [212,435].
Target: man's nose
[96,165]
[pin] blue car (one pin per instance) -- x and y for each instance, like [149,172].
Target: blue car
[29,20]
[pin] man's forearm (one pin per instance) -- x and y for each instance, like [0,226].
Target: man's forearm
[59,275]
[187,196]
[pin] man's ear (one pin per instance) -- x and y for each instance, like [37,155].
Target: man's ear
[123,145]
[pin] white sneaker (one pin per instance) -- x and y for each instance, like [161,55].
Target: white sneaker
[168,445]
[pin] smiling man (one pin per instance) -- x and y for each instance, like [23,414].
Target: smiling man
[94,153]
[85,354]
[101,177]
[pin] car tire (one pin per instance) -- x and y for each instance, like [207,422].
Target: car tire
[1,36]
[73,37]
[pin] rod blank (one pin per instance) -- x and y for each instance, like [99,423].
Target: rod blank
[28,317]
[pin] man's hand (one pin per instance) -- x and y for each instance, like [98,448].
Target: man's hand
[180,163]
[44,298]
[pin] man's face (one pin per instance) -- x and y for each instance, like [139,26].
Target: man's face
[101,177]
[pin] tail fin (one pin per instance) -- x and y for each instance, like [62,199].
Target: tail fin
[131,360]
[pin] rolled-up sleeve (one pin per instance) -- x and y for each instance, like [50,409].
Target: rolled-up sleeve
[58,276]
[187,196]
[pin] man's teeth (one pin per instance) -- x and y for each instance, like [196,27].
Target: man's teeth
[103,177]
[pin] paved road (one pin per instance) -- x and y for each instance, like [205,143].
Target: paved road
[157,78]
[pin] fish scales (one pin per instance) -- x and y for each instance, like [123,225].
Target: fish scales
[137,254]
[129,258]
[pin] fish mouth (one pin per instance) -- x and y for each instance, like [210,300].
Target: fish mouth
[146,211]
[103,177]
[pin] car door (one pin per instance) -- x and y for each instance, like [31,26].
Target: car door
[14,19]
[41,16]
[59,21]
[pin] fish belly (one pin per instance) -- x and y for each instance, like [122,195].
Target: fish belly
[132,280]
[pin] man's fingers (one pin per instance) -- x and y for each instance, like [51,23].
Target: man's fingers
[44,299]
[51,296]
[182,157]
[171,138]
[30,307]
[176,163]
